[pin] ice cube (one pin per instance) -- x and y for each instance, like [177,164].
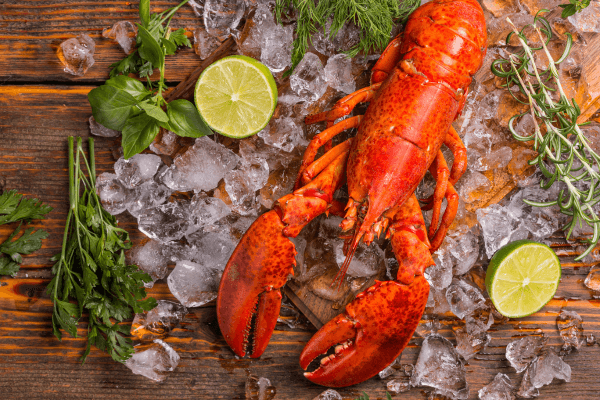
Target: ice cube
[308,79]
[206,211]
[345,39]
[283,133]
[463,298]
[500,8]
[197,7]
[439,275]
[468,345]
[98,130]
[499,389]
[397,386]
[367,261]
[276,52]
[212,249]
[124,32]
[569,324]
[204,43]
[465,252]
[521,352]
[201,167]
[114,196]
[138,169]
[148,195]
[542,371]
[164,143]
[437,300]
[149,258]
[165,223]
[329,394]
[588,19]
[154,362]
[590,339]
[158,322]
[338,73]
[497,159]
[280,183]
[222,16]
[592,280]
[387,371]
[249,176]
[480,320]
[428,327]
[440,367]
[193,284]
[259,388]
[77,54]
[497,227]
[471,183]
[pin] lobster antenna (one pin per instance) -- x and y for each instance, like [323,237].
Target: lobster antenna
[339,278]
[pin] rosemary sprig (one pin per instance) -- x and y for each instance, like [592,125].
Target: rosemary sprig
[375,18]
[564,153]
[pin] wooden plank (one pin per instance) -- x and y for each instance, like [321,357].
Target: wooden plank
[32,30]
[33,364]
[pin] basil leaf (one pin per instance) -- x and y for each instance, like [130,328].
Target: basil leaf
[138,133]
[111,106]
[185,119]
[154,111]
[130,85]
[144,12]
[149,48]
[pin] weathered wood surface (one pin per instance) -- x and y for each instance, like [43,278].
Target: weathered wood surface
[39,107]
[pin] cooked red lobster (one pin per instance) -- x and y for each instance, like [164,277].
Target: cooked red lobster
[418,87]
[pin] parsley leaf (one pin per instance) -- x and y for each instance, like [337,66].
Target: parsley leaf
[575,6]
[91,268]
[13,207]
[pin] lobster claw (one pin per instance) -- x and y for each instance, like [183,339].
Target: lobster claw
[372,333]
[249,297]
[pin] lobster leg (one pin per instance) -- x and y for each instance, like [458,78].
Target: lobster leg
[378,324]
[459,165]
[447,218]
[440,172]
[390,57]
[321,139]
[262,261]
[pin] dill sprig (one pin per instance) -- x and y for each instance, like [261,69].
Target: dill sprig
[375,18]
[564,153]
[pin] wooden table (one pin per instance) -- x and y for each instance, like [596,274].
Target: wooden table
[40,106]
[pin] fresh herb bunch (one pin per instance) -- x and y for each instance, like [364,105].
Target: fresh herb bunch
[91,268]
[564,153]
[573,7]
[13,208]
[125,104]
[375,18]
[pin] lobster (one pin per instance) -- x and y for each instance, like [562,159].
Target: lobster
[418,88]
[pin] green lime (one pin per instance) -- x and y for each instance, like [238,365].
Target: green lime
[522,277]
[236,96]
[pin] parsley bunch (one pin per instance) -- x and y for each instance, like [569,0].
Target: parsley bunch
[125,104]
[91,268]
[375,18]
[13,207]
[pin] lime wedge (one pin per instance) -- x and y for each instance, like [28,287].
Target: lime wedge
[522,277]
[236,96]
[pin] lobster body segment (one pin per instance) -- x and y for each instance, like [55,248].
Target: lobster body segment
[418,87]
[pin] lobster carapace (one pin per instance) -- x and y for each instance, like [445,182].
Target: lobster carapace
[418,88]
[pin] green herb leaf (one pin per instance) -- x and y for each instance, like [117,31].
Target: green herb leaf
[132,86]
[185,119]
[138,133]
[25,210]
[8,266]
[155,112]
[127,65]
[170,47]
[179,38]
[149,48]
[144,8]
[29,242]
[111,106]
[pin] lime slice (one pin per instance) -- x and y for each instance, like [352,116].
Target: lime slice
[236,96]
[522,277]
